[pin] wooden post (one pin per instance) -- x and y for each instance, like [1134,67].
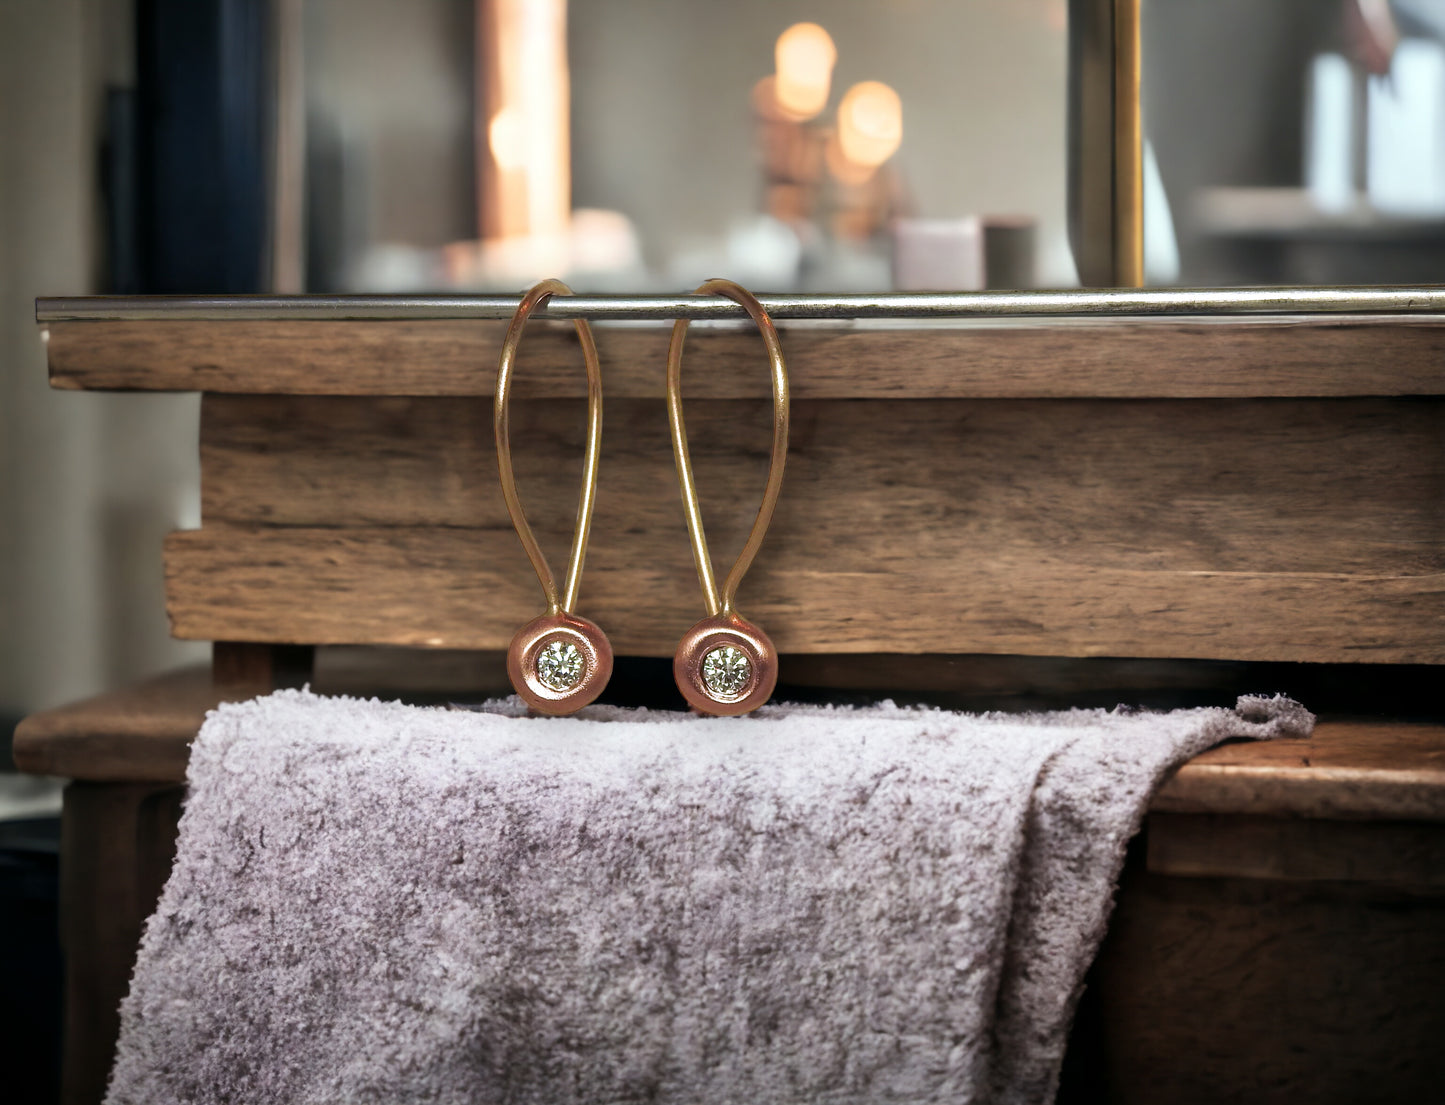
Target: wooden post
[116,847]
[244,670]
[117,844]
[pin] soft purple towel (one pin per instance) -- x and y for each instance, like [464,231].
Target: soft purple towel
[379,903]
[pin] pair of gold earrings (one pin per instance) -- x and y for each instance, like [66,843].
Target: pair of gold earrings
[560,661]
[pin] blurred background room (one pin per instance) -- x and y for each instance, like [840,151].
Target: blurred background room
[234,146]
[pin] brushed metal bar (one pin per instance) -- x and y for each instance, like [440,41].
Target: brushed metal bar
[1081,302]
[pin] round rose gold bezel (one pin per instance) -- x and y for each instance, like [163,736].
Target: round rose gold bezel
[715,632]
[535,636]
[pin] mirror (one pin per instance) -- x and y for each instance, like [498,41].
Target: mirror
[1299,141]
[859,145]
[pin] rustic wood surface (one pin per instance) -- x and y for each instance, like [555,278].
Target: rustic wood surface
[1346,770]
[461,588]
[1407,854]
[1296,485]
[1300,529]
[1246,356]
[117,845]
[137,733]
[411,674]
[1349,769]
[1269,992]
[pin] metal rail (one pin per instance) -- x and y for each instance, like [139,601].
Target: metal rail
[1421,299]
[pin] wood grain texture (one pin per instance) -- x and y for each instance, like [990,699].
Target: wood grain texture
[1375,355]
[137,733]
[1269,992]
[1289,530]
[459,588]
[1409,855]
[1290,486]
[1346,770]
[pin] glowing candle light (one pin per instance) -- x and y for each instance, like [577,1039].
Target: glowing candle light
[845,172]
[804,56]
[524,170]
[507,139]
[870,124]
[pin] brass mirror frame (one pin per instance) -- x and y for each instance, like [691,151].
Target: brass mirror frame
[1105,143]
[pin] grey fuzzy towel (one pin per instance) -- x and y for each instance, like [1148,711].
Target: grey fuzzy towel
[378,903]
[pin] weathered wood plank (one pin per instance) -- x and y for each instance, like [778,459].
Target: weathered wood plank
[1346,770]
[1222,485]
[139,733]
[1269,992]
[1112,358]
[1409,855]
[466,588]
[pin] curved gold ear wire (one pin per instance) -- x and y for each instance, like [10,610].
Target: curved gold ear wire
[558,662]
[725,664]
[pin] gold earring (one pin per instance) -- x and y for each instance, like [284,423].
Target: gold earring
[558,662]
[726,665]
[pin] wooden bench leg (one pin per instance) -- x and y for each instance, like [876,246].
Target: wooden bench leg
[117,844]
[118,841]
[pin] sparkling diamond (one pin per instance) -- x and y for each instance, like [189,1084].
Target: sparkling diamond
[726,671]
[559,665]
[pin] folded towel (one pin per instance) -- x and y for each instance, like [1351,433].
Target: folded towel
[374,902]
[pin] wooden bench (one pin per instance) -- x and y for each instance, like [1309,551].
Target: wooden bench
[984,514]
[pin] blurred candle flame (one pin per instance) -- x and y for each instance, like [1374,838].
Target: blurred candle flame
[804,56]
[507,139]
[870,124]
[523,89]
[845,172]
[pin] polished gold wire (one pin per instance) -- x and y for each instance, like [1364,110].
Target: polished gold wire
[700,555]
[534,298]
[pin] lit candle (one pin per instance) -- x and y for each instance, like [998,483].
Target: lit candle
[524,145]
[804,56]
[870,124]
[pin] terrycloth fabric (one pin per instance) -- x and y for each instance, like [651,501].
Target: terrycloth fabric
[378,903]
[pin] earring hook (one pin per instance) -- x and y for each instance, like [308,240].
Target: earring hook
[567,600]
[725,604]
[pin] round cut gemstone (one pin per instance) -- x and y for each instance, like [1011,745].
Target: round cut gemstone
[726,671]
[559,665]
